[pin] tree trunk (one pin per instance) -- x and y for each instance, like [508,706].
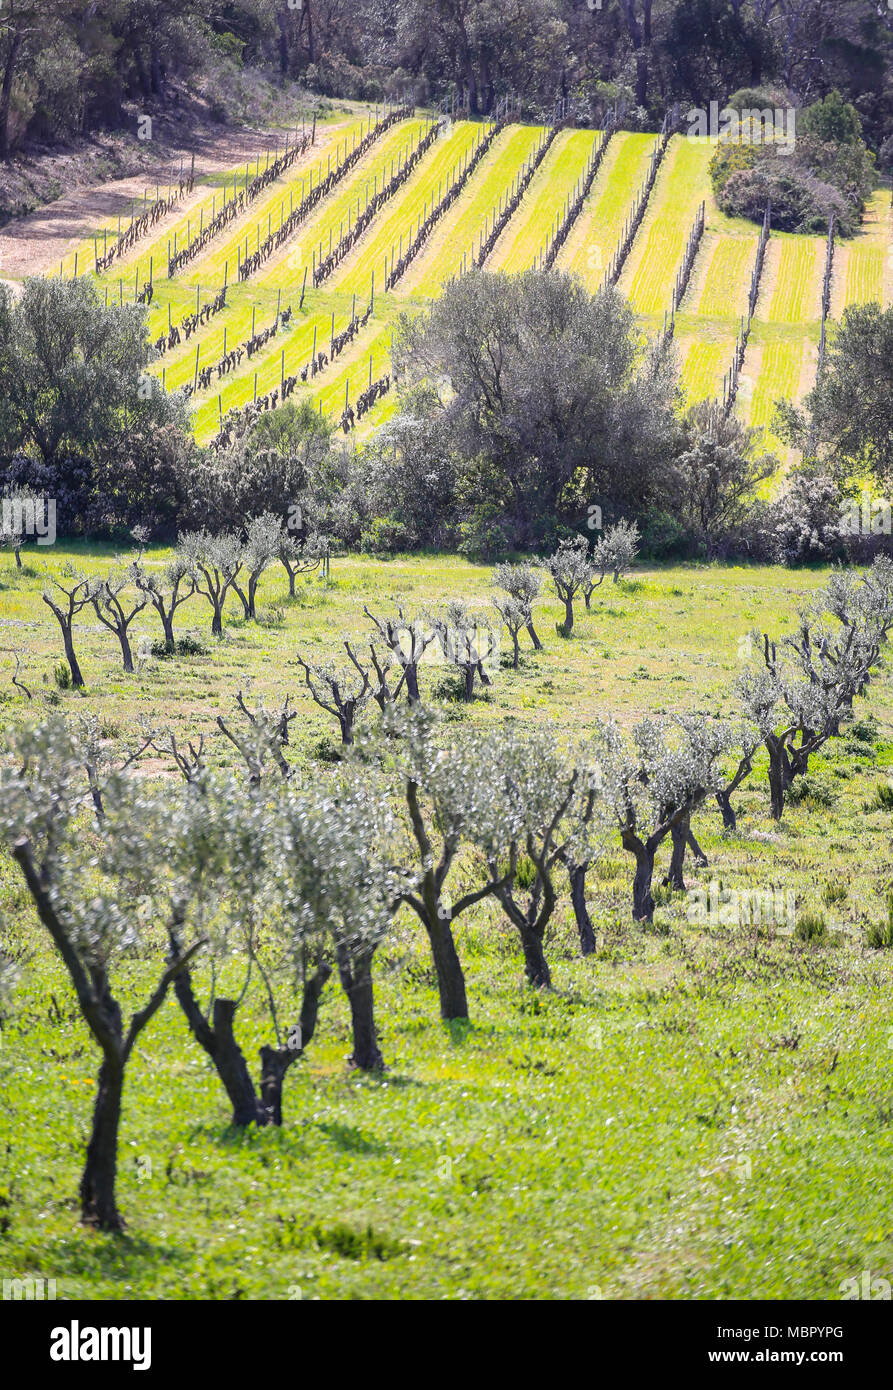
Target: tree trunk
[535,964]
[98,1182]
[724,802]
[346,722]
[6,93]
[577,875]
[220,1044]
[568,616]
[275,1061]
[356,978]
[776,780]
[537,644]
[450,979]
[167,623]
[469,684]
[217,621]
[77,679]
[412,683]
[516,655]
[643,902]
[679,835]
[126,653]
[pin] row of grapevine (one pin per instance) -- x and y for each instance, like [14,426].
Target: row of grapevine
[731,378]
[323,266]
[508,205]
[425,228]
[574,203]
[634,220]
[250,264]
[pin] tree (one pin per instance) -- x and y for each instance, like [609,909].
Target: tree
[570,570]
[167,593]
[85,887]
[407,639]
[105,595]
[613,553]
[799,691]
[541,396]
[75,591]
[71,371]
[301,557]
[349,690]
[265,737]
[653,787]
[523,584]
[215,563]
[719,472]
[553,804]
[263,545]
[466,641]
[848,417]
[452,796]
[336,872]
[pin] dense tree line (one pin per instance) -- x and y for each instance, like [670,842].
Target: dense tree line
[69,67]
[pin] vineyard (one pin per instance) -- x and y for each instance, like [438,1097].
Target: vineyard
[290,272]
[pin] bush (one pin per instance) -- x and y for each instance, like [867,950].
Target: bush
[811,926]
[879,936]
[62,676]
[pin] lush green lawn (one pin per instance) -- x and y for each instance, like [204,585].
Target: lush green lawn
[700,1110]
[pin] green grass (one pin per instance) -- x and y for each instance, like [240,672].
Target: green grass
[682,183]
[794,268]
[528,231]
[699,1111]
[589,248]
[458,233]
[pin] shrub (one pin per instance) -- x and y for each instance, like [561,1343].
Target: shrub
[879,936]
[62,676]
[811,926]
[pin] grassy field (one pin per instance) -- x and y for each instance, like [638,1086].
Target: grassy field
[588,250]
[527,232]
[697,1110]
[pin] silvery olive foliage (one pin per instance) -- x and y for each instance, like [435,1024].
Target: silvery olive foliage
[215,562]
[555,814]
[614,553]
[569,568]
[467,640]
[655,780]
[523,584]
[93,882]
[800,690]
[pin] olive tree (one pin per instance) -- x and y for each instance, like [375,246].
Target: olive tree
[614,553]
[215,562]
[65,595]
[453,799]
[86,882]
[553,805]
[343,691]
[263,544]
[106,596]
[407,639]
[654,784]
[339,887]
[523,583]
[569,568]
[166,592]
[467,641]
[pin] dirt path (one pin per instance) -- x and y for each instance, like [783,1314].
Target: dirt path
[35,244]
